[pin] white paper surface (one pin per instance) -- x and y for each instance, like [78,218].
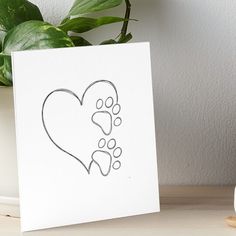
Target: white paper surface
[85,134]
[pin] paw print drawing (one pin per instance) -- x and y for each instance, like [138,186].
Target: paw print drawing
[107,156]
[106,117]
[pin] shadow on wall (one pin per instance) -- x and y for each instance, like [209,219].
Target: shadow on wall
[193,48]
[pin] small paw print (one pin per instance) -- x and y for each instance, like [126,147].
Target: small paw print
[106,117]
[107,156]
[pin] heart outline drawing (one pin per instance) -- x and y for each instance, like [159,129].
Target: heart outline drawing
[81,102]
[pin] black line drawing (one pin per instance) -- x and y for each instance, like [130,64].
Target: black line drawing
[104,158]
[104,118]
[105,170]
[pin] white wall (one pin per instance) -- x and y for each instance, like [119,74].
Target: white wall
[194,72]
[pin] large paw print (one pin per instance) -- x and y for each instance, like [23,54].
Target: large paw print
[107,156]
[106,115]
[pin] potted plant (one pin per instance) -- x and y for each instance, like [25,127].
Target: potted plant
[22,27]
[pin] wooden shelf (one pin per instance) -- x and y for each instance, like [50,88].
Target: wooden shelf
[184,211]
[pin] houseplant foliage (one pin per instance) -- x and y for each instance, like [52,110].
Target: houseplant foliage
[22,27]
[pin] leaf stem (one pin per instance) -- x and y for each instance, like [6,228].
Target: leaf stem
[125,23]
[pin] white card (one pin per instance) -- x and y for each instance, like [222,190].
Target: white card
[85,134]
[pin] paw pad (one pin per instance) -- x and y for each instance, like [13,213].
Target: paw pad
[107,156]
[106,115]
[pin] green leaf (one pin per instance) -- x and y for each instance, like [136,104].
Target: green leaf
[84,24]
[1,84]
[81,7]
[126,39]
[14,12]
[109,41]
[2,35]
[35,35]
[31,35]
[79,41]
[1,61]
[4,82]
[5,71]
